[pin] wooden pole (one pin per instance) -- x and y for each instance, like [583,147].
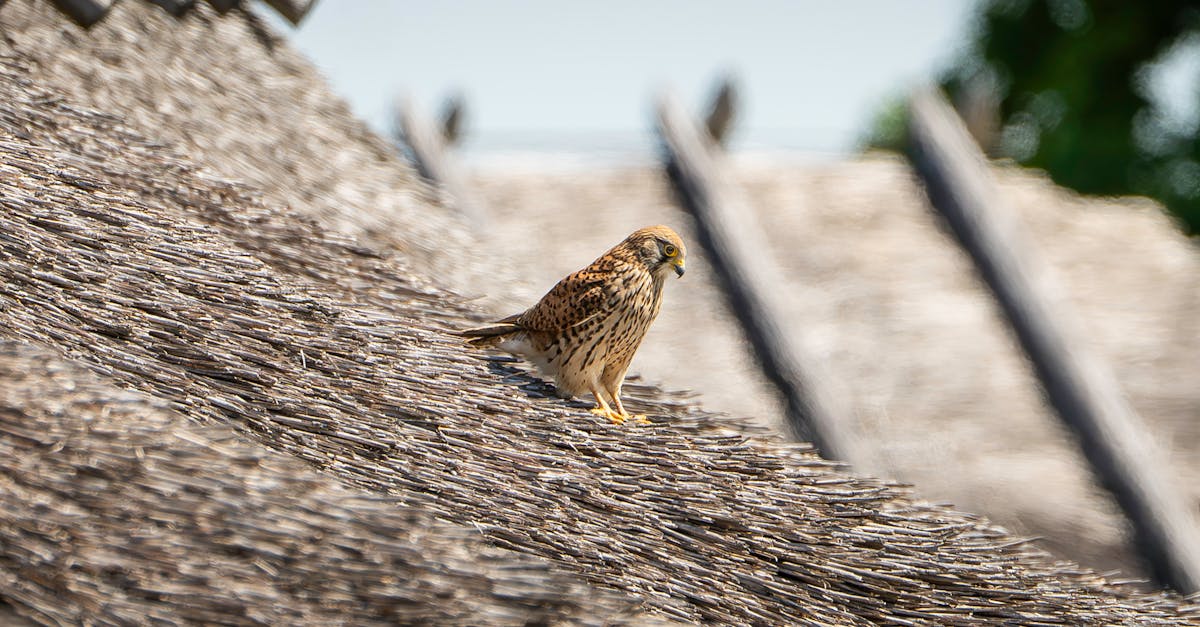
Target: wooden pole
[430,149]
[736,247]
[1079,384]
[722,113]
[84,12]
[293,10]
[176,8]
[224,6]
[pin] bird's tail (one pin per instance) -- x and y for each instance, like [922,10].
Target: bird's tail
[490,335]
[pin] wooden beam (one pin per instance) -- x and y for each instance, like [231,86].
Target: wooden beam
[175,7]
[735,244]
[1079,384]
[452,120]
[723,112]
[84,12]
[292,10]
[224,6]
[429,147]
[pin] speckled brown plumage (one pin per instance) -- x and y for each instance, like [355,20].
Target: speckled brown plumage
[585,331]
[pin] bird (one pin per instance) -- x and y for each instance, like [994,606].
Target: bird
[584,332]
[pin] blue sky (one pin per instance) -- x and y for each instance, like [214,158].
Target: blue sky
[582,73]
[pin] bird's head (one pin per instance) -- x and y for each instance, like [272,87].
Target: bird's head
[659,248]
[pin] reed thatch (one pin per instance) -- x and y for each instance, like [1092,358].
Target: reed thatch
[120,253]
[116,510]
[211,85]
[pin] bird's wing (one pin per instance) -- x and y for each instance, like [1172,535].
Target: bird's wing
[580,297]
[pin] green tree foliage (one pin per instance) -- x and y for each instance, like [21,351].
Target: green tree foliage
[1070,94]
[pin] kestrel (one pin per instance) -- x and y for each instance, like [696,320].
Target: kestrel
[583,332]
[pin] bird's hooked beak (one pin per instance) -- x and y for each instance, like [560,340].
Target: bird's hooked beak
[678,263]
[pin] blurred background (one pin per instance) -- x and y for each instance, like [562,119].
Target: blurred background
[1102,95]
[1091,111]
[542,76]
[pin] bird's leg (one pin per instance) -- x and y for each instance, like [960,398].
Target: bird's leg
[602,409]
[616,396]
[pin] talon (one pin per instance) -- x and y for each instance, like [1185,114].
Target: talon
[641,419]
[608,413]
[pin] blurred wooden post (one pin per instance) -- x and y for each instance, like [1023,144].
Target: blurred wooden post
[737,248]
[176,8]
[722,112]
[224,6]
[293,10]
[84,12]
[430,147]
[88,12]
[1079,384]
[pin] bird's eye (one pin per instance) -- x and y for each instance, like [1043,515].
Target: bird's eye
[670,250]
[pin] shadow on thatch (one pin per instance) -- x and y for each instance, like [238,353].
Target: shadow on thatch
[118,253]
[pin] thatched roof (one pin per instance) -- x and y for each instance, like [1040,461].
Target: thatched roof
[116,510]
[212,86]
[122,254]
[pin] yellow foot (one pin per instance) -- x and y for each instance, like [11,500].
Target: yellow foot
[610,414]
[641,419]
